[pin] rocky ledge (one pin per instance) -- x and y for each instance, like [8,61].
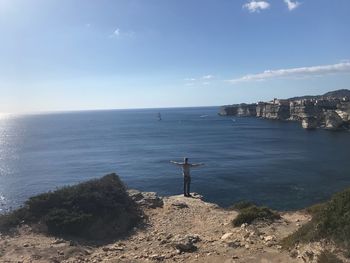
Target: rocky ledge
[330,111]
[177,229]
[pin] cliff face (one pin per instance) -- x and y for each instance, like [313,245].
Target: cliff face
[326,111]
[343,110]
[276,109]
[241,110]
[301,109]
[246,110]
[332,120]
[309,123]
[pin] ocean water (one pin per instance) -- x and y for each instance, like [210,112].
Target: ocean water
[273,163]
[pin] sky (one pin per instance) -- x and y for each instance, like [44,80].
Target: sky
[61,55]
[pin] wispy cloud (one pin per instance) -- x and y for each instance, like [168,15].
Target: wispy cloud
[118,33]
[256,6]
[292,4]
[203,80]
[343,67]
[207,77]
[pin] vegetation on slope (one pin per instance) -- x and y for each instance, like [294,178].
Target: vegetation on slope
[330,220]
[96,209]
[332,94]
[328,257]
[248,213]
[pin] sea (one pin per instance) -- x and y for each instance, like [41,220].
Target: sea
[272,163]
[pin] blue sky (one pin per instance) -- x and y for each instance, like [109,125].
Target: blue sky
[89,54]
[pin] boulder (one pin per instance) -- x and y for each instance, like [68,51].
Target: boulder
[185,243]
[269,238]
[135,194]
[226,236]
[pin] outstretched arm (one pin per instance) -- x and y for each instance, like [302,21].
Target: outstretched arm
[197,164]
[177,163]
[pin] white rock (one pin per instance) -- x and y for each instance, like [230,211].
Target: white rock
[226,236]
[269,238]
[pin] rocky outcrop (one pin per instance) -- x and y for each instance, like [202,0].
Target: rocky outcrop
[146,199]
[200,232]
[240,110]
[309,123]
[229,110]
[343,110]
[345,116]
[333,121]
[185,243]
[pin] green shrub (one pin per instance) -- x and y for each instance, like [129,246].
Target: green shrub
[328,257]
[313,210]
[250,213]
[95,209]
[330,220]
[10,220]
[241,205]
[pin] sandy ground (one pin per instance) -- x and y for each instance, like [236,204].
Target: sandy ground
[207,225]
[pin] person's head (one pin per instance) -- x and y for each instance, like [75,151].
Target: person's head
[185,160]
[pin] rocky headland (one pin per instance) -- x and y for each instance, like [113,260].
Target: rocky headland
[177,229]
[329,111]
[169,229]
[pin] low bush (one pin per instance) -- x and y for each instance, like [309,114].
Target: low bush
[328,257]
[96,209]
[330,220]
[241,205]
[248,213]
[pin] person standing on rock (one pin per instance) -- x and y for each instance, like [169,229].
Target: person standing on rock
[186,166]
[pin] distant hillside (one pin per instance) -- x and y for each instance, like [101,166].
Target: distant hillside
[338,93]
[332,94]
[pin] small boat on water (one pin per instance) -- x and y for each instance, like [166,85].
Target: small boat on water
[203,116]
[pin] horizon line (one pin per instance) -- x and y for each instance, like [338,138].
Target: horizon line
[39,112]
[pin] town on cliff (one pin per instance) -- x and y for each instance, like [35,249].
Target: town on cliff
[329,111]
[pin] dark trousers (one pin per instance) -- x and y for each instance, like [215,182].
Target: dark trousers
[187,183]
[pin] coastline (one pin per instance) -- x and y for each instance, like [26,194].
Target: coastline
[330,111]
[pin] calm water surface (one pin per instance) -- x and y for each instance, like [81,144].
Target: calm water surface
[269,162]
